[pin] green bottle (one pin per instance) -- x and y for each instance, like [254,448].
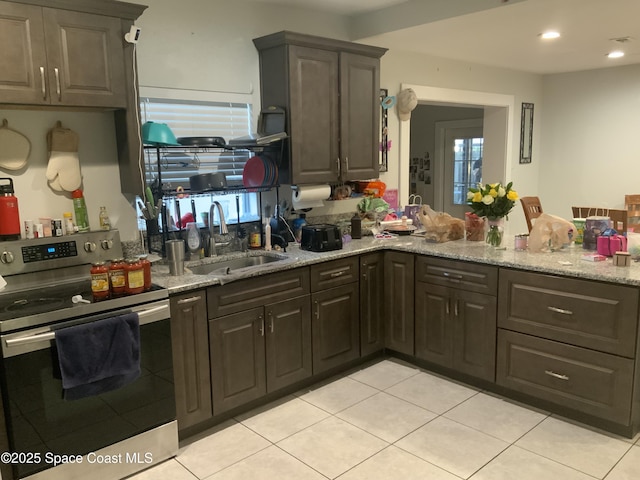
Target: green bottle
[80,209]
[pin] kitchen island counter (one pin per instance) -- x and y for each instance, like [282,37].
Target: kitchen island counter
[566,262]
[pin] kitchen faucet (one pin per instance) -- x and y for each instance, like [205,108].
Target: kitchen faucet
[223,228]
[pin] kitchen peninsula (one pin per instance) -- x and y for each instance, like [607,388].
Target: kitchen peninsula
[549,329]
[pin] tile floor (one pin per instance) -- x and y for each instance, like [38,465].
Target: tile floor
[392,420]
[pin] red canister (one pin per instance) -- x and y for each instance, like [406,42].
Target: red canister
[9,213]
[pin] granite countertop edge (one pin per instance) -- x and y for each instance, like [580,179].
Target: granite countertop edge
[567,262]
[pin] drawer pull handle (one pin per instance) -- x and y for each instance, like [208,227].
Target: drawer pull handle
[560,310]
[189,300]
[556,375]
[337,274]
[453,276]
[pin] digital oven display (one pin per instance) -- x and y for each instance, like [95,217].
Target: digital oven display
[37,253]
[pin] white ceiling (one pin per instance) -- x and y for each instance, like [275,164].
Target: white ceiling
[501,33]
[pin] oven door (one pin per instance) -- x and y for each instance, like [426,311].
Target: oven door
[40,421]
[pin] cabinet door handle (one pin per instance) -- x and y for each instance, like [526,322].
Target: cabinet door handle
[44,85]
[560,310]
[446,307]
[364,276]
[261,318]
[182,301]
[346,164]
[317,310]
[338,164]
[337,274]
[56,71]
[455,308]
[556,375]
[270,314]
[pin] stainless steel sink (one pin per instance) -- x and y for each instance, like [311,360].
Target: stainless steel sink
[226,266]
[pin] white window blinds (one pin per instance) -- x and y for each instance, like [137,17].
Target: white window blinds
[196,119]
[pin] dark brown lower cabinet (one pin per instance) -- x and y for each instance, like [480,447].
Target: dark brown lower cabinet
[399,309]
[237,359]
[288,342]
[456,329]
[588,381]
[335,326]
[259,351]
[371,303]
[190,346]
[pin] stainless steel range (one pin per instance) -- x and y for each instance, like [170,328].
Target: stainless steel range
[109,435]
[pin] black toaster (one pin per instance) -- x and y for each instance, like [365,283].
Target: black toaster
[321,238]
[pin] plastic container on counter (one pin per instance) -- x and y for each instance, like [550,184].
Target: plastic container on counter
[134,274]
[99,281]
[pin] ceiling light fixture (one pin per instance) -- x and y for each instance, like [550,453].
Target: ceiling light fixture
[550,35]
[615,54]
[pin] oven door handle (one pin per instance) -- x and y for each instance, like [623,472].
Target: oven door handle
[41,337]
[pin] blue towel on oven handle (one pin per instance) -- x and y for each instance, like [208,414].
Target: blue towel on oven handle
[97,357]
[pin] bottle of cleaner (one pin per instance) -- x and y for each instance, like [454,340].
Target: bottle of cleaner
[80,209]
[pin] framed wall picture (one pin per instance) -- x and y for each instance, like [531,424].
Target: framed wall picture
[526,132]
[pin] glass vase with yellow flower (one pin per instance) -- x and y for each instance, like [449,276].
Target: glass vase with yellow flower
[493,201]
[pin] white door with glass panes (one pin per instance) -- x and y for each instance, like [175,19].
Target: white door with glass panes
[462,167]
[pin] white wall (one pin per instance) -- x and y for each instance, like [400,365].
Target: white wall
[590,154]
[98,163]
[206,45]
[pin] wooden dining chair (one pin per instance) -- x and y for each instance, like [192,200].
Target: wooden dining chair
[632,204]
[532,209]
[618,217]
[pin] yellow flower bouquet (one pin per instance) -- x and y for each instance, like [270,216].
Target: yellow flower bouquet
[494,202]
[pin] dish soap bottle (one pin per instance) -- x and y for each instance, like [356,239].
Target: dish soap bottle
[193,238]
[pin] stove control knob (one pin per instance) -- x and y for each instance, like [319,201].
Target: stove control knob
[6,257]
[89,247]
[106,244]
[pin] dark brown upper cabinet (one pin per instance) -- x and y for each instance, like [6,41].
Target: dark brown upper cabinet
[61,57]
[330,91]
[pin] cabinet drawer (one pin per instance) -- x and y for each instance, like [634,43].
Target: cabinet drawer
[256,292]
[592,382]
[581,312]
[451,273]
[334,273]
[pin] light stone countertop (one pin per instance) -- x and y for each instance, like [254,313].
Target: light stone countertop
[566,262]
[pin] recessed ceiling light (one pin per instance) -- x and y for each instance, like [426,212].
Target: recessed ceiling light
[550,34]
[615,54]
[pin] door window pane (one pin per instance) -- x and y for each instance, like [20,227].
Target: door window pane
[467,167]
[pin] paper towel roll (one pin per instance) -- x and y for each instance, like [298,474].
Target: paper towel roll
[310,196]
